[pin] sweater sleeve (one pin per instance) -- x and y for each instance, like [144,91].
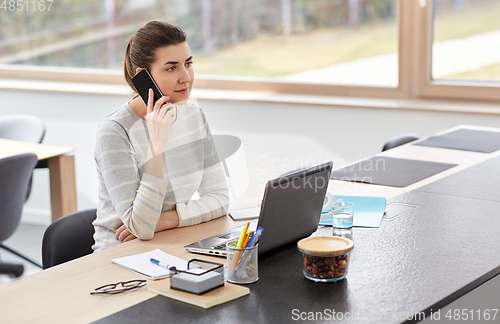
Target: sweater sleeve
[137,201]
[213,190]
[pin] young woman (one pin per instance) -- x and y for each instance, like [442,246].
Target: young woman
[152,158]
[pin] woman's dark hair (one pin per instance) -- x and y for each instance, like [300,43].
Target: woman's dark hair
[141,47]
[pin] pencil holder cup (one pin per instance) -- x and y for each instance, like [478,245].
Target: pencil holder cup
[242,264]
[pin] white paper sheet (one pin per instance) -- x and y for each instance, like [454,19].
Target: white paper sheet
[141,264]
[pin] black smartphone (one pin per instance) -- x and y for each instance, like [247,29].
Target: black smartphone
[143,81]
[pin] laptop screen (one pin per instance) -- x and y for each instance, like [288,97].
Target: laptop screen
[292,206]
[291,209]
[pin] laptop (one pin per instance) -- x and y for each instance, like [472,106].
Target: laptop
[290,210]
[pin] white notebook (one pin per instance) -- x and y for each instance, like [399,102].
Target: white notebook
[245,213]
[141,264]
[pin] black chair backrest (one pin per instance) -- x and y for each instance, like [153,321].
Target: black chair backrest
[293,171]
[26,128]
[400,140]
[12,269]
[15,174]
[68,238]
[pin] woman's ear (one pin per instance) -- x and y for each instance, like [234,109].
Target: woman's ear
[138,70]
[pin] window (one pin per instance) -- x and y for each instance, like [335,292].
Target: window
[302,41]
[69,33]
[458,49]
[466,40]
[372,48]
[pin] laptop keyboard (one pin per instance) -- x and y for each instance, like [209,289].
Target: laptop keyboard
[219,247]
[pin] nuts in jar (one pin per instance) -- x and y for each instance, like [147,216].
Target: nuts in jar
[325,258]
[325,267]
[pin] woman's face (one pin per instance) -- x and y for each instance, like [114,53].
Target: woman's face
[173,71]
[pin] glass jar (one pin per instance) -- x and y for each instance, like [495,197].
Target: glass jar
[325,258]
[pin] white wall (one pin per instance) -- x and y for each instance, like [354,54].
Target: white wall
[276,137]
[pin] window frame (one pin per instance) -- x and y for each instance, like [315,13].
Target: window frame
[424,86]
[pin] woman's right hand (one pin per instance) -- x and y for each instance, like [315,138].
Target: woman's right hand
[123,234]
[159,117]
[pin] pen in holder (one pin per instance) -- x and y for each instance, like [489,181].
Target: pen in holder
[200,277]
[242,263]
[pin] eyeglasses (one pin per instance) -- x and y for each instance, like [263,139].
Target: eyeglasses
[115,289]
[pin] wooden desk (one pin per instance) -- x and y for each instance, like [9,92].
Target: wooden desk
[61,168]
[61,294]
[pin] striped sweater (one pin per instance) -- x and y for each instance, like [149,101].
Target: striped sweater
[128,196]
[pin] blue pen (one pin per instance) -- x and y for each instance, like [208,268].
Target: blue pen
[163,265]
[247,254]
[255,237]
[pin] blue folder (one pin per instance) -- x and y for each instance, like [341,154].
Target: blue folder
[368,211]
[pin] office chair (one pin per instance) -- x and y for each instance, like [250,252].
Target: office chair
[400,140]
[68,238]
[26,128]
[233,159]
[11,269]
[15,174]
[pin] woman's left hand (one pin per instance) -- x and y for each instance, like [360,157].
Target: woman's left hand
[124,235]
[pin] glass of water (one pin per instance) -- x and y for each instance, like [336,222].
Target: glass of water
[342,218]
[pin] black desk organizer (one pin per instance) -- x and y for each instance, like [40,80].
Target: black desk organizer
[413,263]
